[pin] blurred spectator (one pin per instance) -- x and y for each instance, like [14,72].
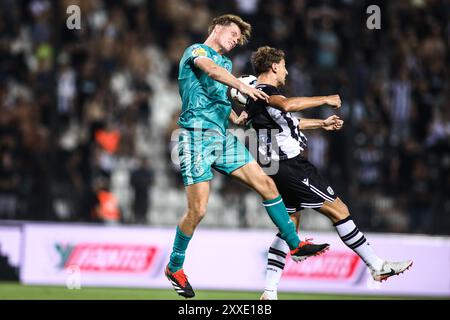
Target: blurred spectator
[105,205]
[317,151]
[400,112]
[141,180]
[328,45]
[422,198]
[9,185]
[66,90]
[299,76]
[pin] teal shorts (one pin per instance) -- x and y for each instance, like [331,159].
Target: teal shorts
[199,151]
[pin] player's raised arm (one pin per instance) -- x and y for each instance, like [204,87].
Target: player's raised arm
[331,123]
[300,103]
[222,75]
[270,67]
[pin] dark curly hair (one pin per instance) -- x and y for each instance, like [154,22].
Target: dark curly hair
[263,58]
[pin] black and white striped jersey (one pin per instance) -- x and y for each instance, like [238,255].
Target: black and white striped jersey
[279,137]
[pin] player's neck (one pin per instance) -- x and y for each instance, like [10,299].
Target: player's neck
[268,78]
[210,42]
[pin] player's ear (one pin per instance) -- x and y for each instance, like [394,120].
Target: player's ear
[217,28]
[274,67]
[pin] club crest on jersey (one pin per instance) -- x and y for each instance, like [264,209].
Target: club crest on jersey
[198,170]
[199,52]
[330,190]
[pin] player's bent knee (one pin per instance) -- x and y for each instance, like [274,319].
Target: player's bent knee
[335,210]
[342,215]
[270,190]
[270,184]
[197,213]
[195,219]
[345,211]
[342,208]
[339,210]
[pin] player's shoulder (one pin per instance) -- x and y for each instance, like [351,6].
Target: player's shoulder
[197,48]
[268,89]
[226,59]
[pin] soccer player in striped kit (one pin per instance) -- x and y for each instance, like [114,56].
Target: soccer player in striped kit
[299,182]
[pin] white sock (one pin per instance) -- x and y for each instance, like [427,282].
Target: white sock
[276,260]
[355,240]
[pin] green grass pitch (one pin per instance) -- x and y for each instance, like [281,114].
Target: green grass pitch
[16,291]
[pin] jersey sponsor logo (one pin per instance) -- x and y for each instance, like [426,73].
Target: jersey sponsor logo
[330,190]
[199,52]
[337,265]
[106,257]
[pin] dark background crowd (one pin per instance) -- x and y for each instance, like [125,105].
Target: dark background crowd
[82,109]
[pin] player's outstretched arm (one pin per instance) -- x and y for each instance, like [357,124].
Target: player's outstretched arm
[223,76]
[300,103]
[331,123]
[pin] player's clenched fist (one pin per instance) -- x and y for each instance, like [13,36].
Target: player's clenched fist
[334,101]
[333,123]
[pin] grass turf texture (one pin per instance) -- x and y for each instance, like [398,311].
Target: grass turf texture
[16,291]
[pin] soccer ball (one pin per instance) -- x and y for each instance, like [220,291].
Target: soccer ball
[238,96]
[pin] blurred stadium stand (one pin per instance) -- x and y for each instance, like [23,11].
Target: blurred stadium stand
[80,108]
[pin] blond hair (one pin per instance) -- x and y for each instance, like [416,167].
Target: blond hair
[227,19]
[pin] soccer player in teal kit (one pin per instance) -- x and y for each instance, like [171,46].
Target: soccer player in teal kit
[204,143]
